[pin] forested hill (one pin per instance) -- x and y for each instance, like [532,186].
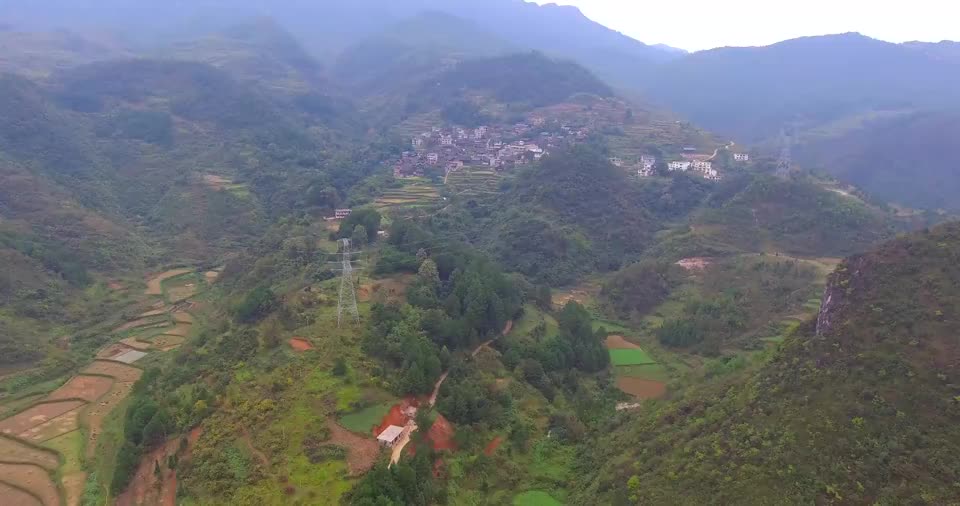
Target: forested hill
[327,28]
[569,215]
[860,407]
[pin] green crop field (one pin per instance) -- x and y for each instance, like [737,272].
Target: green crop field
[362,421]
[535,498]
[630,357]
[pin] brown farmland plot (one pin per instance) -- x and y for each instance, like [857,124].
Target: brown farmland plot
[167,342]
[115,370]
[155,284]
[362,452]
[88,388]
[136,344]
[33,479]
[619,343]
[36,415]
[642,388]
[16,497]
[63,424]
[12,450]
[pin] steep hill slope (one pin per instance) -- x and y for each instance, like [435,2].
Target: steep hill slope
[258,52]
[328,28]
[572,213]
[906,158]
[860,407]
[413,50]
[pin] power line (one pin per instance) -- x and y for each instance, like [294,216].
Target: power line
[348,294]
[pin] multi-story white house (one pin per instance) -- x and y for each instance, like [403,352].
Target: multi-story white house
[645,171]
[446,140]
[702,165]
[617,161]
[417,142]
[479,133]
[741,157]
[648,161]
[678,165]
[433,158]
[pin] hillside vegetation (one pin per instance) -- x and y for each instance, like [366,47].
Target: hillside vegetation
[858,407]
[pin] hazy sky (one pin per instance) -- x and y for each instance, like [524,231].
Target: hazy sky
[705,24]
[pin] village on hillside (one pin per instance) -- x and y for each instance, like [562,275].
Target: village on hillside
[446,148]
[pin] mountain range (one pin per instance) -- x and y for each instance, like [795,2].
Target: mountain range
[314,223]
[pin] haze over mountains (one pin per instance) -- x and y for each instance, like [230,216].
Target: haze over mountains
[544,262]
[818,88]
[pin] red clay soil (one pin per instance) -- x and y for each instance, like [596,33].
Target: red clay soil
[492,446]
[396,416]
[441,434]
[300,344]
[145,488]
[641,388]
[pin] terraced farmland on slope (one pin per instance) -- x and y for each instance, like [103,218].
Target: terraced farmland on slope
[473,182]
[410,196]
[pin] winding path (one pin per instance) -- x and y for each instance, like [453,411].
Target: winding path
[411,426]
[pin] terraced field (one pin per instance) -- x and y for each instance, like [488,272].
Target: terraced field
[473,182]
[410,196]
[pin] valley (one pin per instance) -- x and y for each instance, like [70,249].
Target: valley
[431,254]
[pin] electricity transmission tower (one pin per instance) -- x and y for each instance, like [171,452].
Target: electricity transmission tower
[786,157]
[348,294]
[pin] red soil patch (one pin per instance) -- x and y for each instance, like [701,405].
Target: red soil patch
[362,452]
[492,446]
[641,388]
[39,414]
[619,343]
[146,488]
[88,388]
[33,479]
[398,415]
[300,344]
[441,434]
[115,286]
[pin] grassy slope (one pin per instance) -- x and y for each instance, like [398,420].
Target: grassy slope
[862,414]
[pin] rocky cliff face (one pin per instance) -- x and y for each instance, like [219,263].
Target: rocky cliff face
[839,286]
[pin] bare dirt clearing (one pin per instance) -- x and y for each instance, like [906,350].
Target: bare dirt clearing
[695,263]
[641,388]
[441,434]
[300,344]
[362,452]
[36,415]
[116,370]
[33,479]
[88,388]
[136,344]
[155,284]
[17,452]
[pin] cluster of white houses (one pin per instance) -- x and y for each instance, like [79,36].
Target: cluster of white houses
[645,167]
